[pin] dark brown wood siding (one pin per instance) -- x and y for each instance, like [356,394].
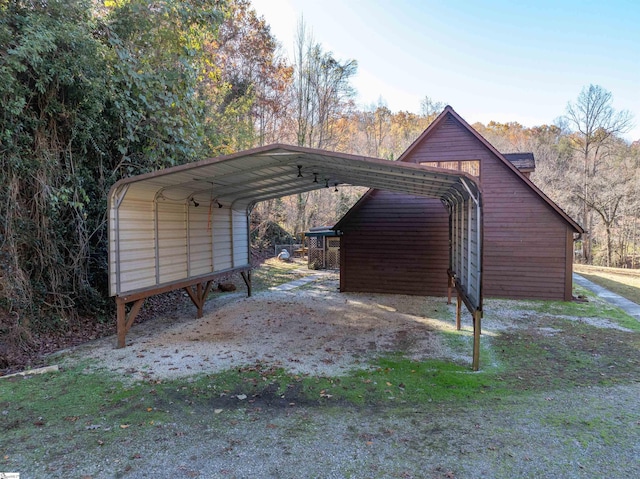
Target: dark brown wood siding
[527,245]
[396,244]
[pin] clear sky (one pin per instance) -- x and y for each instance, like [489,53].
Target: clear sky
[501,60]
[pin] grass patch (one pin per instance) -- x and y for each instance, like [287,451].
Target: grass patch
[594,308]
[74,395]
[54,414]
[398,379]
[621,281]
[391,379]
[576,355]
[273,272]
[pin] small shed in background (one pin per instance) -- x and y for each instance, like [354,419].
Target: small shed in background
[323,248]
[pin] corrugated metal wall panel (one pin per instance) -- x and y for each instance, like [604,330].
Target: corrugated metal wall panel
[222,258]
[200,240]
[240,243]
[172,242]
[113,259]
[141,192]
[135,236]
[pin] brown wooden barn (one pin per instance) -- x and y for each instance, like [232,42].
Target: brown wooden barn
[396,243]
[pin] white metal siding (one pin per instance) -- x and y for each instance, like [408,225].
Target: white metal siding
[136,245]
[240,242]
[191,241]
[222,258]
[466,257]
[200,240]
[172,242]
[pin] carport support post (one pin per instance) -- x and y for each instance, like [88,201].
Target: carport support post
[124,320]
[477,315]
[246,276]
[458,311]
[199,296]
[121,322]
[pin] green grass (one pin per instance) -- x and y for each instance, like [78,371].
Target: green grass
[72,410]
[273,273]
[75,395]
[398,379]
[621,281]
[593,308]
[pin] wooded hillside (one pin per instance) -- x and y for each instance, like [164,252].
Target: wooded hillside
[92,92]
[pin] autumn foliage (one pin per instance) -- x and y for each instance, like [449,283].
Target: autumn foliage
[91,92]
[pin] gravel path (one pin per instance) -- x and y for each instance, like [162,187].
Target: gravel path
[629,307]
[590,433]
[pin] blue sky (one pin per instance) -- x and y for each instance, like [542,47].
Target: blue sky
[495,60]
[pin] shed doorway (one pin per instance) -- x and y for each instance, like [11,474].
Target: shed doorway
[323,244]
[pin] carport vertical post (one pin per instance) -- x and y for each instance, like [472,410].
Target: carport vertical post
[458,311]
[246,276]
[121,324]
[477,315]
[201,300]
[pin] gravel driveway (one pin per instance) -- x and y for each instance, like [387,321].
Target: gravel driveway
[581,432]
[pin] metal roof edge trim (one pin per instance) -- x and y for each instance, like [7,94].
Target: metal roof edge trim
[291,149]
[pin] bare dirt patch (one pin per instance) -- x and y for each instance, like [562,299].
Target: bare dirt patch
[309,330]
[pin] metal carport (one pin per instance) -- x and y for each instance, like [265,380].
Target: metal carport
[183,227]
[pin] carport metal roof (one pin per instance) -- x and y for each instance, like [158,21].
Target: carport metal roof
[240,180]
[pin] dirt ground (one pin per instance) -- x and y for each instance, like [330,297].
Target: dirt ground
[309,330]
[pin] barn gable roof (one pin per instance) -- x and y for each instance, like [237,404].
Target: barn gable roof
[449,111]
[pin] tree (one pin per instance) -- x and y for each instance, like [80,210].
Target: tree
[253,78]
[53,131]
[593,122]
[610,192]
[377,127]
[87,96]
[322,91]
[322,96]
[430,108]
